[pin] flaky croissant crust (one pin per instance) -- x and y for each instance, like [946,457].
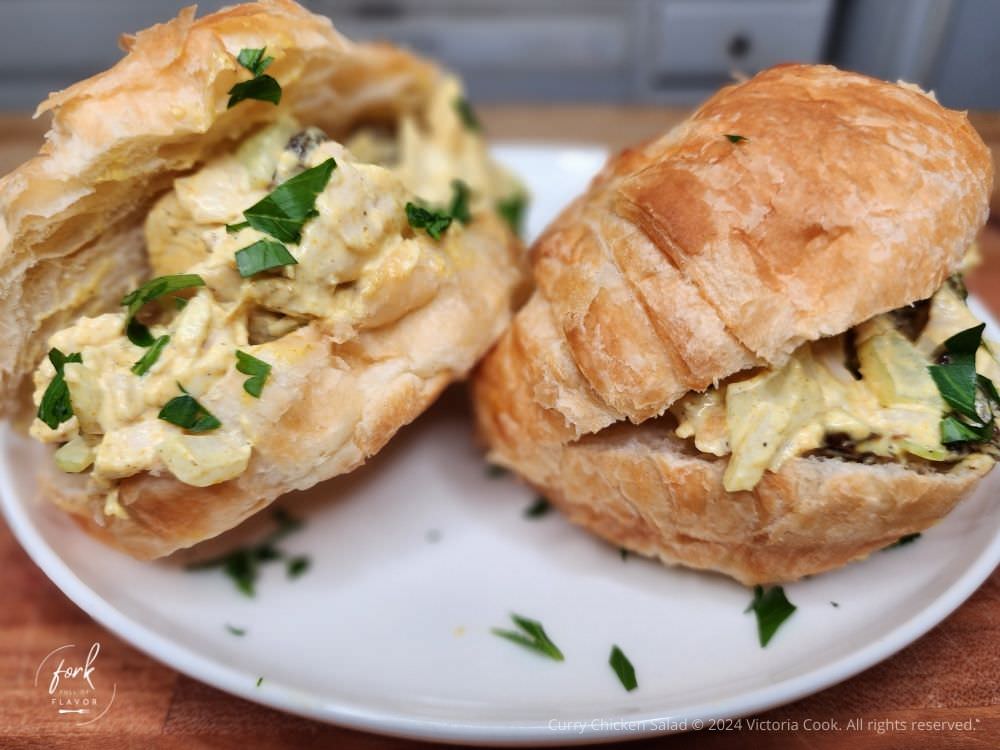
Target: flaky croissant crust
[787,208]
[71,244]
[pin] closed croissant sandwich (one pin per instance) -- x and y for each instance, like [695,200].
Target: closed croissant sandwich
[749,349]
[245,257]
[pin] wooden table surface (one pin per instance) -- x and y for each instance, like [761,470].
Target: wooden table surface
[950,675]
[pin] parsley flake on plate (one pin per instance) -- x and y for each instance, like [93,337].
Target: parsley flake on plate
[532,636]
[904,540]
[623,668]
[242,564]
[772,608]
[494,471]
[298,565]
[540,507]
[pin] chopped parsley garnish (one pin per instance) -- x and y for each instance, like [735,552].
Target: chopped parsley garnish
[954,430]
[259,681]
[137,333]
[512,209]
[261,87]
[624,553]
[834,604]
[257,369]
[263,255]
[436,220]
[185,411]
[459,208]
[287,524]
[532,636]
[493,471]
[972,398]
[772,609]
[56,406]
[433,222]
[539,508]
[733,138]
[466,113]
[242,565]
[298,565]
[623,668]
[254,60]
[235,630]
[904,540]
[283,212]
[152,354]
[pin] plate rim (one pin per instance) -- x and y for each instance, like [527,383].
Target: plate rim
[397,724]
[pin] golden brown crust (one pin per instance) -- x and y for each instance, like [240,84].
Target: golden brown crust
[759,240]
[810,516]
[71,243]
[643,489]
[691,258]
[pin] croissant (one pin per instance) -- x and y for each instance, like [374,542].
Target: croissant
[253,250]
[684,381]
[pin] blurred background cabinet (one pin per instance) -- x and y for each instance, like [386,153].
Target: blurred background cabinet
[638,51]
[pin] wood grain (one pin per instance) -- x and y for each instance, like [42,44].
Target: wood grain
[951,674]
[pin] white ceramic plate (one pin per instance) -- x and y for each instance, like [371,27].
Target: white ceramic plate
[419,554]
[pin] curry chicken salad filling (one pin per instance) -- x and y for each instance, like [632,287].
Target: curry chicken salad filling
[914,385]
[289,228]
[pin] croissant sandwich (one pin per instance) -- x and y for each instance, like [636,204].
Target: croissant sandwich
[749,349]
[245,257]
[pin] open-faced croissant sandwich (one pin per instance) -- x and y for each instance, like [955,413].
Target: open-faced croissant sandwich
[245,257]
[749,349]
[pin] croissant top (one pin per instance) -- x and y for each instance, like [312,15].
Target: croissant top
[292,226]
[785,209]
[71,218]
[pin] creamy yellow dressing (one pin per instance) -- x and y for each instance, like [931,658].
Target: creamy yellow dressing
[893,411]
[360,266]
